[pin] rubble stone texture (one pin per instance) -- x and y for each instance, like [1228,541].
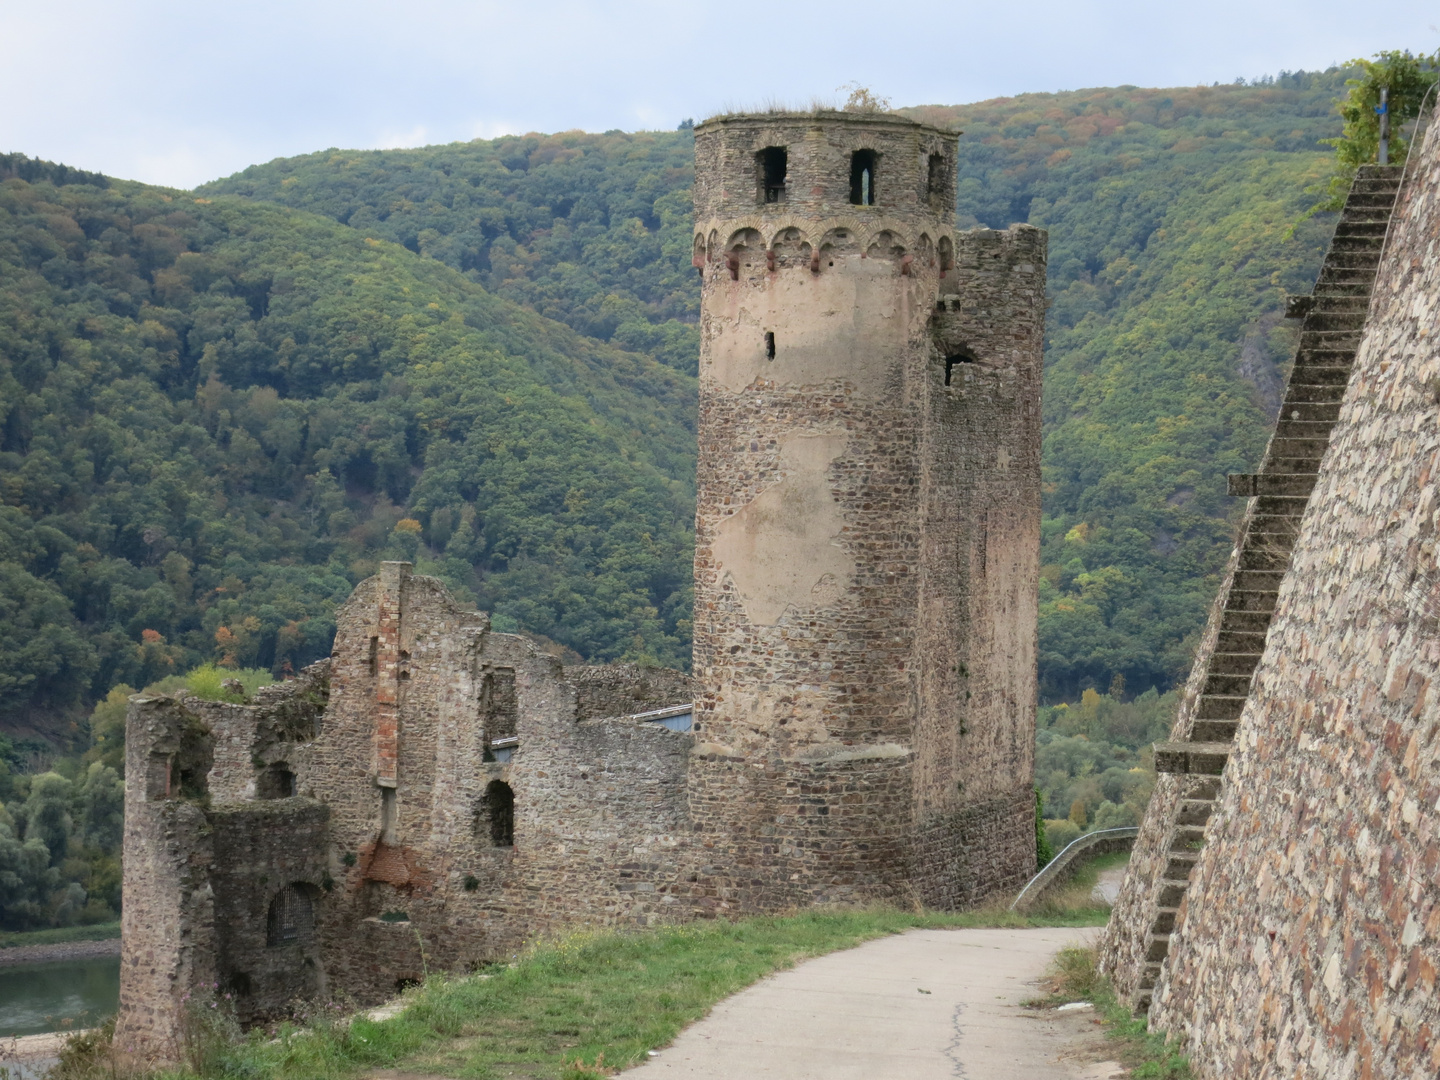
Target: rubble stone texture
[867,526]
[1309,940]
[1137,940]
[436,794]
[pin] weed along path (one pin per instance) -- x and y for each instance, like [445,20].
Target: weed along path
[923,1005]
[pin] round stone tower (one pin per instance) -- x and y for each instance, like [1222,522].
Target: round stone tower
[867,526]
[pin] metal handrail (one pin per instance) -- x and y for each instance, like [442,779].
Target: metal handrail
[1062,859]
[1410,154]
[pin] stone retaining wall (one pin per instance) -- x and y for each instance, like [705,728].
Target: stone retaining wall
[1309,943]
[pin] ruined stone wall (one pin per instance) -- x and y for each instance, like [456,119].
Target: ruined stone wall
[1310,937]
[865,557]
[342,834]
[167,922]
[975,650]
[603,690]
[261,850]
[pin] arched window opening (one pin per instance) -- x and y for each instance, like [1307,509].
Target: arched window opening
[497,814]
[946,251]
[291,920]
[862,178]
[771,164]
[276,782]
[952,362]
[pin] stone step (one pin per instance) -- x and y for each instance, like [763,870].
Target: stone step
[1351,260]
[1237,641]
[1357,244]
[1226,686]
[1329,338]
[1303,429]
[1294,466]
[1325,411]
[1257,580]
[1330,369]
[1214,730]
[1157,947]
[1362,226]
[1234,663]
[1299,449]
[1195,811]
[1318,322]
[1261,557]
[1178,865]
[1269,483]
[1192,758]
[1343,303]
[1172,891]
[1252,622]
[1312,393]
[1187,838]
[1164,921]
[1250,600]
[1266,519]
[1148,976]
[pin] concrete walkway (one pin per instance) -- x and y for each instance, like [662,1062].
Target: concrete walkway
[925,1005]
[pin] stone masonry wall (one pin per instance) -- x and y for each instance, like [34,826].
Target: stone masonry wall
[866,562]
[1310,938]
[266,851]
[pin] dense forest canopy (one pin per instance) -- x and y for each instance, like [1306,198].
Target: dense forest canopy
[216,415]
[220,409]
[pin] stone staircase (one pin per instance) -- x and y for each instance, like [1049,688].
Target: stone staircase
[1334,320]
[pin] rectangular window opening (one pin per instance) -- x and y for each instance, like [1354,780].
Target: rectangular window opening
[374,656]
[388,814]
[773,161]
[769,345]
[862,178]
[936,182]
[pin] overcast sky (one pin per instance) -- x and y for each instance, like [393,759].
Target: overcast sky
[182,92]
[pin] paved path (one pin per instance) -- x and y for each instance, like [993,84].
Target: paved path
[925,1005]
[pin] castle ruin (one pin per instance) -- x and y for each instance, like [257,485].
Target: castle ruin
[860,722]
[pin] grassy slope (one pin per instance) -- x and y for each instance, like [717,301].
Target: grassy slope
[564,1004]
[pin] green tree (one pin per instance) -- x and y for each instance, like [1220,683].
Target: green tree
[1407,79]
[46,813]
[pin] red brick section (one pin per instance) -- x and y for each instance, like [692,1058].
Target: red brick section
[387,674]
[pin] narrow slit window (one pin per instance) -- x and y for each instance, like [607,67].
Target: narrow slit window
[935,185]
[769,344]
[862,178]
[374,656]
[773,161]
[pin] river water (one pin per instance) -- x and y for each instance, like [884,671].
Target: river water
[59,996]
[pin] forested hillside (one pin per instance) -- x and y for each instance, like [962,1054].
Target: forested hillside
[216,415]
[220,409]
[1167,211]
